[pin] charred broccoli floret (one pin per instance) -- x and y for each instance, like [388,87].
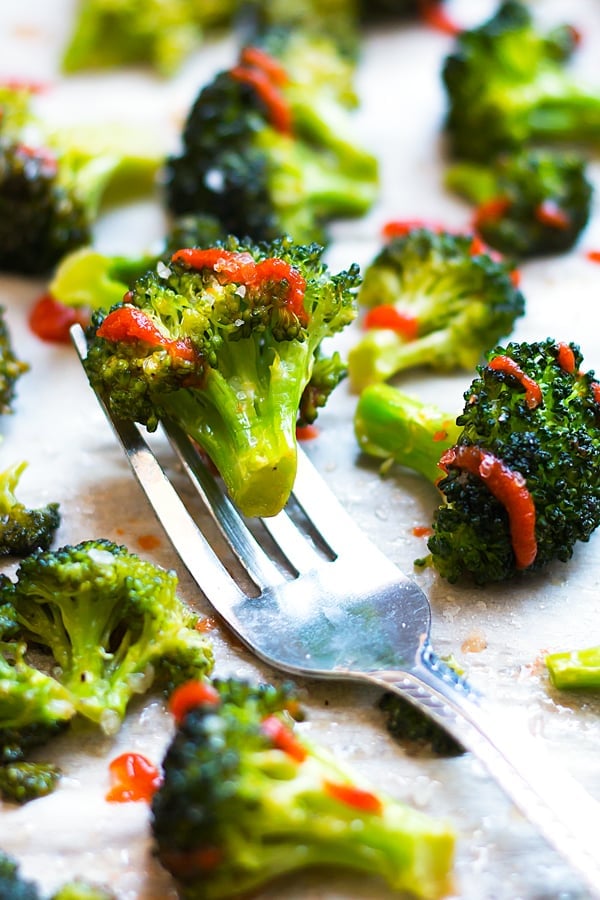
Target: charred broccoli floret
[508,86]
[529,203]
[21,782]
[224,341]
[161,33]
[11,368]
[244,800]
[520,483]
[266,147]
[407,723]
[23,530]
[113,625]
[575,669]
[434,299]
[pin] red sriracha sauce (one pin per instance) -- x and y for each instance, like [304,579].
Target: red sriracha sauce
[283,738]
[533,393]
[231,266]
[254,56]
[134,778]
[433,14]
[549,213]
[187,696]
[51,321]
[130,324]
[491,211]
[595,387]
[508,487]
[360,799]
[307,432]
[386,316]
[593,256]
[266,76]
[566,358]
[402,227]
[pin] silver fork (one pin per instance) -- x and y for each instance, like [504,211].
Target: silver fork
[324,602]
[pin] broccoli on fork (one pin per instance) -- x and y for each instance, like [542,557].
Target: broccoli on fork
[224,341]
[244,800]
[433,299]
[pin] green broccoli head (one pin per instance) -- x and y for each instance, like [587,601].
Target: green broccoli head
[32,703]
[21,782]
[546,437]
[82,890]
[245,800]
[23,530]
[530,203]
[224,341]
[266,150]
[160,33]
[435,299]
[507,86]
[407,723]
[112,622]
[11,368]
[12,885]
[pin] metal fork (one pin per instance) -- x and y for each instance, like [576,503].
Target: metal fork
[324,602]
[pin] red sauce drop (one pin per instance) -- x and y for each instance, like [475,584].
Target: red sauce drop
[254,56]
[433,14]
[149,541]
[386,316]
[134,778]
[533,393]
[189,695]
[593,256]
[51,321]
[509,488]
[307,432]
[549,213]
[491,211]
[566,358]
[422,531]
[130,324]
[283,738]
[402,227]
[353,796]
[278,109]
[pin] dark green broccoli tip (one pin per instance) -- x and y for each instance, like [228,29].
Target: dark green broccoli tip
[12,885]
[113,624]
[21,782]
[552,444]
[257,180]
[575,669]
[244,800]
[392,425]
[507,86]
[459,301]
[247,356]
[23,530]
[407,723]
[529,204]
[11,368]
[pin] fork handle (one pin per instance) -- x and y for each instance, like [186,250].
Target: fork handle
[565,814]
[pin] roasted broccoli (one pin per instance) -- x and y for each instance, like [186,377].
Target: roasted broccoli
[434,299]
[529,203]
[224,341]
[407,723]
[245,800]
[575,669]
[161,33]
[23,530]
[12,884]
[82,890]
[11,368]
[520,484]
[50,194]
[508,86]
[113,625]
[21,782]
[266,148]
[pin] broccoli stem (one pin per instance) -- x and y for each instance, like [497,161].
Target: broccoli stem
[392,425]
[575,668]
[560,112]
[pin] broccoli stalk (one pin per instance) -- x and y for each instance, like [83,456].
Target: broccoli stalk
[244,800]
[575,669]
[113,625]
[224,341]
[519,483]
[528,204]
[23,530]
[433,299]
[507,86]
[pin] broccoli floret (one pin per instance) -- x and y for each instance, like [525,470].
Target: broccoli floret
[23,530]
[245,800]
[435,299]
[338,19]
[82,890]
[21,782]
[11,368]
[507,87]
[160,33]
[224,341]
[12,885]
[575,669]
[112,622]
[265,146]
[530,203]
[15,107]
[407,723]
[520,484]
[51,194]
[32,704]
